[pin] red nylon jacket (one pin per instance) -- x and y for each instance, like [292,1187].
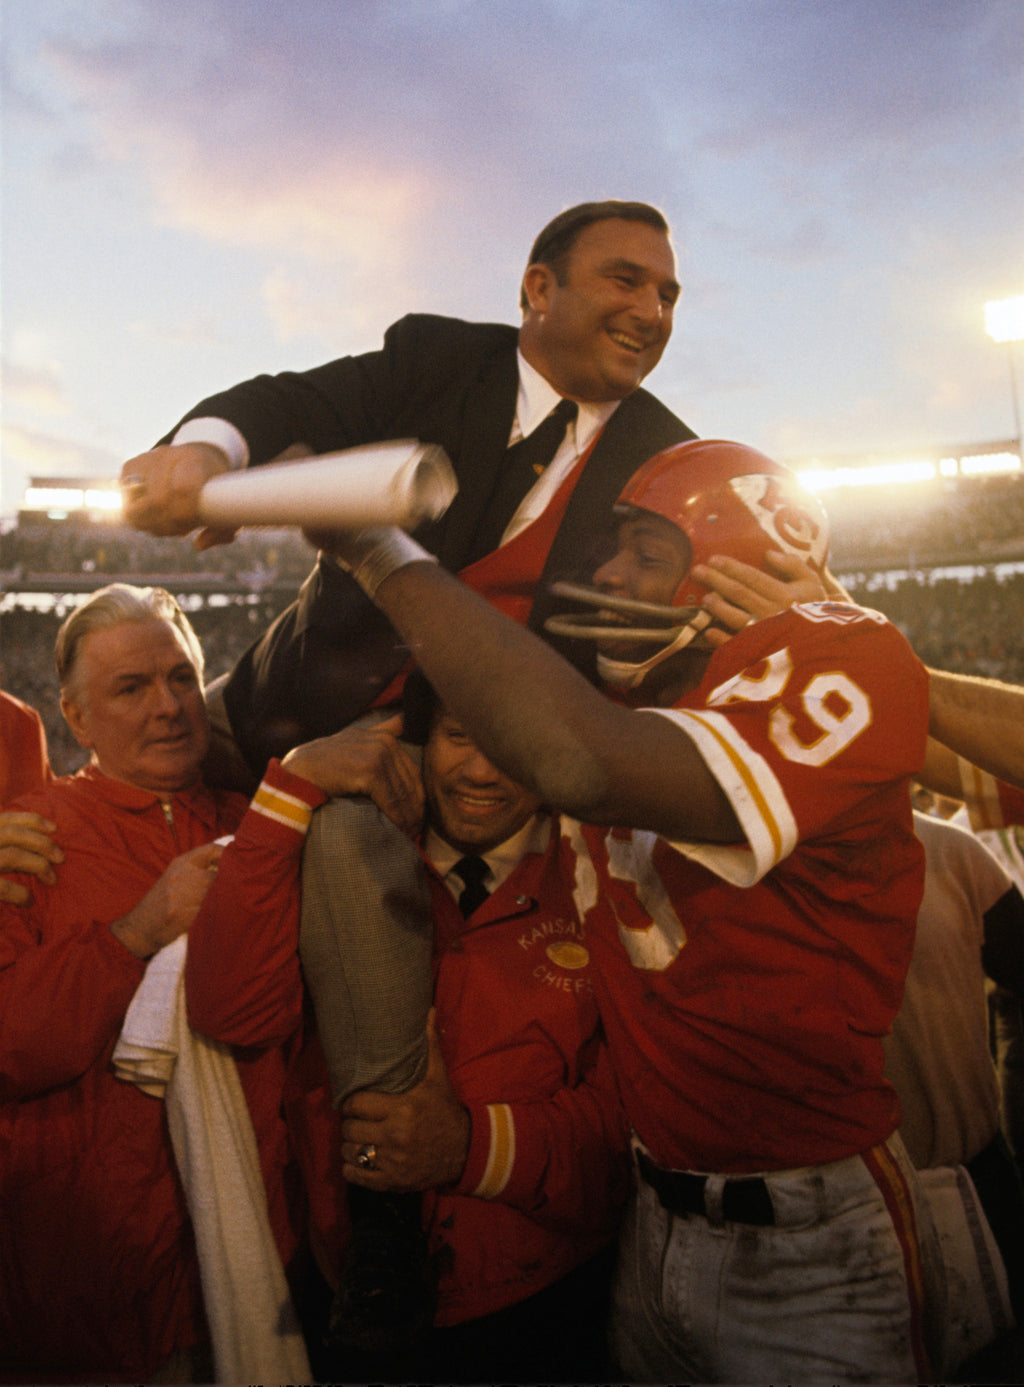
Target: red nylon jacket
[518,1025]
[98,1275]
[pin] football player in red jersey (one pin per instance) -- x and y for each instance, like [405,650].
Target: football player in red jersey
[751,915]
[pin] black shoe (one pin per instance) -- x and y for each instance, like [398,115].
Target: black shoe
[386,1297]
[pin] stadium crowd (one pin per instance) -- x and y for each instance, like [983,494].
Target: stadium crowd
[947,521]
[249,583]
[76,546]
[893,555]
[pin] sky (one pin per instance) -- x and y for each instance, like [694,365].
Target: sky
[199,191]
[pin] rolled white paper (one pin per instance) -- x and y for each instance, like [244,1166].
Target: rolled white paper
[396,483]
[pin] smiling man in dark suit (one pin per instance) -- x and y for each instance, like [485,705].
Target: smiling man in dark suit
[597,301]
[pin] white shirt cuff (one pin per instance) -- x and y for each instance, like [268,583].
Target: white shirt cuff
[221,434]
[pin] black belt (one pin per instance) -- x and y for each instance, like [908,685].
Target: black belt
[745,1199]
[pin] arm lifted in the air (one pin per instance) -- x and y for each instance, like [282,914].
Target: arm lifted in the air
[544,724]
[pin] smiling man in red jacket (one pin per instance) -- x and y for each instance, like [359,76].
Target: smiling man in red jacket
[515,1134]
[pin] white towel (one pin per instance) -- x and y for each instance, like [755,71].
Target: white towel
[256,1336]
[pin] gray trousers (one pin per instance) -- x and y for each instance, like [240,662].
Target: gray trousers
[366,940]
[366,937]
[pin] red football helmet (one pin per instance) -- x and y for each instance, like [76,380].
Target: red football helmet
[727,499]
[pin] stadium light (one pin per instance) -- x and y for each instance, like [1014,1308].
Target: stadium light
[885,474]
[72,498]
[1004,319]
[903,471]
[102,498]
[1004,323]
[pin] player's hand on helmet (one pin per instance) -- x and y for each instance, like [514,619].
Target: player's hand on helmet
[741,594]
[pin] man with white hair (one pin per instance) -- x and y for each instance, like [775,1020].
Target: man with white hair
[99,1278]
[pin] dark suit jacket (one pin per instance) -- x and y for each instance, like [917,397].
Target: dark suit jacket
[442,381]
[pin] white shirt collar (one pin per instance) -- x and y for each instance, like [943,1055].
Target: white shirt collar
[501,860]
[538,397]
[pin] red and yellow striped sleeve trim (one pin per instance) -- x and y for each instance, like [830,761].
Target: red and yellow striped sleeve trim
[502,1156]
[281,807]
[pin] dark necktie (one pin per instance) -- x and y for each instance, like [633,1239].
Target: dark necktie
[472,870]
[523,464]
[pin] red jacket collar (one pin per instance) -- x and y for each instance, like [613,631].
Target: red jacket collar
[197,799]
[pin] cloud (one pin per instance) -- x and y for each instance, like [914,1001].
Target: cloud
[39,389]
[195,332]
[378,136]
[56,455]
[841,178]
[822,79]
[330,307]
[345,130]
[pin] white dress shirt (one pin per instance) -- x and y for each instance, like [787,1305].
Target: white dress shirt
[536,399]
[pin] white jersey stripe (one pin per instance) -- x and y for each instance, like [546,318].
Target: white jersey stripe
[752,789]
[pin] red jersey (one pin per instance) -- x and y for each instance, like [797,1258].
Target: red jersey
[745,989]
[508,577]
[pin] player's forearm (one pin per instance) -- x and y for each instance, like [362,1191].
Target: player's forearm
[525,707]
[980,719]
[243,985]
[537,718]
[941,770]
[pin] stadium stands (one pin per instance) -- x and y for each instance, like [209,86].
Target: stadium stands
[944,561]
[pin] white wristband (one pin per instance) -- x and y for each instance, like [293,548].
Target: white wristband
[392,549]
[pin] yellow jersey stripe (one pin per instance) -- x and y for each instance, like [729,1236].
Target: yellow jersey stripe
[282,808]
[501,1158]
[981,796]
